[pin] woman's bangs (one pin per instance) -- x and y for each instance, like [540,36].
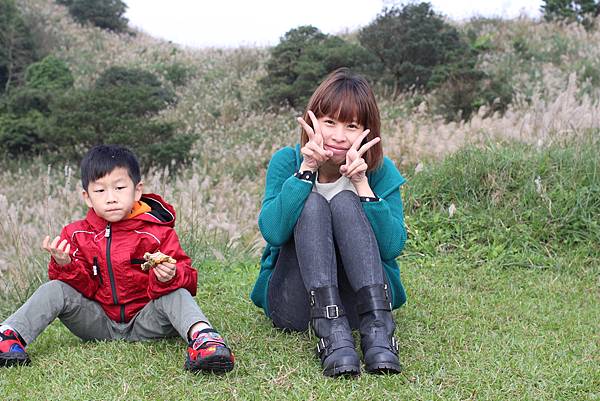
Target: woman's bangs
[344,105]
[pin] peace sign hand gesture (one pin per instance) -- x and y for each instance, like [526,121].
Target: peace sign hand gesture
[356,167]
[313,152]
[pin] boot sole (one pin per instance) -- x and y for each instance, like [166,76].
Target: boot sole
[348,370]
[8,359]
[384,368]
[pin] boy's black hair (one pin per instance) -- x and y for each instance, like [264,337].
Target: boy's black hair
[102,159]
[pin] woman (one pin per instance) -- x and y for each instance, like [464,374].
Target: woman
[333,220]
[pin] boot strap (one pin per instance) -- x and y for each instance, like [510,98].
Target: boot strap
[327,312]
[334,341]
[325,303]
[373,297]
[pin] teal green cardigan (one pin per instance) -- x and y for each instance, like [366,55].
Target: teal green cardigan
[283,202]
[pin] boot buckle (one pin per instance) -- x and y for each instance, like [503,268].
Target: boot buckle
[321,346]
[395,345]
[332,312]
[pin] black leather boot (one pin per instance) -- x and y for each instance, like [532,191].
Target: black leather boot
[379,347]
[336,344]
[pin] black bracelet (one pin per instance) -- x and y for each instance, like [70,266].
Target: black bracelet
[369,199]
[306,175]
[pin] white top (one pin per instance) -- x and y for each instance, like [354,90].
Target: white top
[331,189]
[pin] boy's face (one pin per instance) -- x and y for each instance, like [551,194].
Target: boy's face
[113,195]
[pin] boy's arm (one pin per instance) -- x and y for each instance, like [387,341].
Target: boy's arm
[76,273]
[185,276]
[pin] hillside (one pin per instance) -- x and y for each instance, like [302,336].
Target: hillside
[501,264]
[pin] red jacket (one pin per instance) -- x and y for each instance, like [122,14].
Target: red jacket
[116,250]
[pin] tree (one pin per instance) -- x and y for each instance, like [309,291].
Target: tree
[17,49]
[578,10]
[105,14]
[48,74]
[302,59]
[410,42]
[120,109]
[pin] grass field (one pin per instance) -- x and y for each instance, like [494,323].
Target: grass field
[480,333]
[503,300]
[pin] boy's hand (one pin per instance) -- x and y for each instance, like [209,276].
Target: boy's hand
[165,271]
[58,251]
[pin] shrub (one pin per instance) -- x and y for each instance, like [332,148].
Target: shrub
[49,74]
[17,49]
[177,73]
[105,14]
[301,60]
[134,77]
[24,99]
[410,42]
[21,135]
[572,10]
[462,89]
[120,114]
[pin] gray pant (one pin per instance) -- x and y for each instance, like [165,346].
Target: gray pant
[333,245]
[166,316]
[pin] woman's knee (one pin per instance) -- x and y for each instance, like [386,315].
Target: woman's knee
[315,204]
[345,202]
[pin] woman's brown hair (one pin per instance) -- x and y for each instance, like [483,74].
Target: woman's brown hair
[348,97]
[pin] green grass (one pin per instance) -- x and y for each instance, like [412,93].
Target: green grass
[503,302]
[466,333]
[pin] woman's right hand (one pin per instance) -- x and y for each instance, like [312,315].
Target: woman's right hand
[313,152]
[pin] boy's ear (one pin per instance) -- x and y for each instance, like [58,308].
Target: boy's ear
[86,198]
[138,190]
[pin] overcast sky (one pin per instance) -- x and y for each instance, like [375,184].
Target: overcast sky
[234,23]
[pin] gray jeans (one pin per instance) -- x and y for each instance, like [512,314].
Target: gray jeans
[166,316]
[333,245]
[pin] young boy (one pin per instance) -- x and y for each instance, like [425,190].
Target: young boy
[98,287]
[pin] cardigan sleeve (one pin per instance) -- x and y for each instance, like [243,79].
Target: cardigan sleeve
[387,215]
[284,198]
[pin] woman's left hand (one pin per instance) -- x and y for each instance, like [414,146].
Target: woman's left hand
[356,167]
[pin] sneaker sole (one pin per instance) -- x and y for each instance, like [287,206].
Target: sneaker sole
[216,364]
[8,359]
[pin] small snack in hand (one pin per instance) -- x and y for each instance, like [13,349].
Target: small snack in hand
[154,259]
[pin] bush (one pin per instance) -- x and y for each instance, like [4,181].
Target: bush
[301,60]
[462,89]
[105,14]
[50,73]
[119,114]
[22,135]
[24,99]
[133,77]
[410,43]
[177,73]
[571,10]
[17,49]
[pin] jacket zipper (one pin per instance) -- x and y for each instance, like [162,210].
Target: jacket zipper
[111,275]
[97,270]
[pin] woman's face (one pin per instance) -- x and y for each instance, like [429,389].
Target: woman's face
[339,136]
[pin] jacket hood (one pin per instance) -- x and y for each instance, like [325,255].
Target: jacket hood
[161,213]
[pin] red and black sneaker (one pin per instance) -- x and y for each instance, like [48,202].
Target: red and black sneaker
[12,349]
[208,352]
